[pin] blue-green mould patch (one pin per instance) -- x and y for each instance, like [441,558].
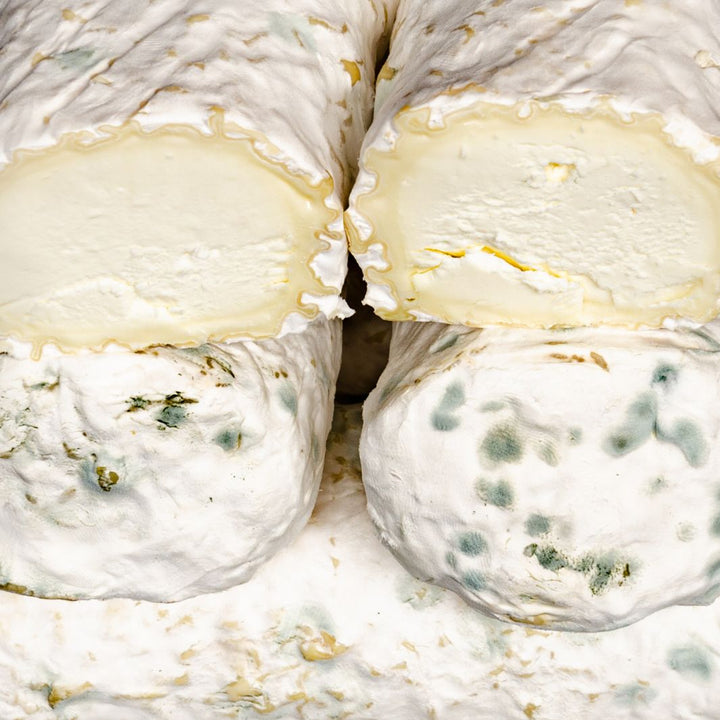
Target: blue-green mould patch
[547,453]
[502,444]
[229,440]
[473,580]
[575,435]
[634,694]
[687,436]
[600,570]
[137,402]
[493,406]
[442,418]
[691,661]
[665,375]
[715,526]
[444,343]
[537,525]
[500,493]
[390,386]
[472,544]
[172,414]
[451,560]
[76,59]
[288,397]
[641,423]
[49,386]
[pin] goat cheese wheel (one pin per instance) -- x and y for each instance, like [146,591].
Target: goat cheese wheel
[333,627]
[174,171]
[160,473]
[544,164]
[563,479]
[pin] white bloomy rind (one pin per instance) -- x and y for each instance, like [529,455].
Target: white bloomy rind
[333,627]
[161,473]
[544,164]
[564,479]
[174,173]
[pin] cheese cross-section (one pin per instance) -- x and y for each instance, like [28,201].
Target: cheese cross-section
[169,176]
[544,164]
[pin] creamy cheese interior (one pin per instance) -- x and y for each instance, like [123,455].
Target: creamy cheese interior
[545,220]
[163,237]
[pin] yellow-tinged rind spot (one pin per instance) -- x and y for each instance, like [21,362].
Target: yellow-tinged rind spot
[322,647]
[387,73]
[59,694]
[241,689]
[353,70]
[198,18]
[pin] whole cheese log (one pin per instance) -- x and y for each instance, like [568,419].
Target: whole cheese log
[332,627]
[174,171]
[563,479]
[161,473]
[544,164]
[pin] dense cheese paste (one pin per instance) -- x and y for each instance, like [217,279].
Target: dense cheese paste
[563,479]
[544,164]
[173,172]
[160,473]
[333,627]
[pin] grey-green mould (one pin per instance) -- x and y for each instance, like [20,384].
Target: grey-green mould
[563,479]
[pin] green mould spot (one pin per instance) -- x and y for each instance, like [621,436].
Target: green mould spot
[442,418]
[137,403]
[172,416]
[472,544]
[288,397]
[665,375]
[634,694]
[106,479]
[493,406]
[76,59]
[473,580]
[502,445]
[575,435]
[715,526]
[444,343]
[499,494]
[602,570]
[537,525]
[451,560]
[688,437]
[639,425]
[547,453]
[229,440]
[550,558]
[690,661]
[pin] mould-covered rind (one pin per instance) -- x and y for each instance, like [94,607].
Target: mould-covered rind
[563,479]
[161,473]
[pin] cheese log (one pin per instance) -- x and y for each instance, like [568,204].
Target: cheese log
[333,627]
[544,165]
[160,473]
[563,479]
[175,172]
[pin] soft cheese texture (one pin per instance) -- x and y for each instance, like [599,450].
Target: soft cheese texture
[173,172]
[160,473]
[563,479]
[544,164]
[332,627]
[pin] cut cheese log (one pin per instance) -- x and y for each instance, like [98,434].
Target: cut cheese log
[544,164]
[564,479]
[173,172]
[160,473]
[332,627]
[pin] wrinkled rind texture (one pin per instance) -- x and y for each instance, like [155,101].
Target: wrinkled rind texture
[164,473]
[579,56]
[298,78]
[333,627]
[566,480]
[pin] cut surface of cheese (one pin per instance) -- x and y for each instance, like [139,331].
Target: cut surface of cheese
[169,176]
[333,627]
[562,479]
[161,473]
[517,173]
